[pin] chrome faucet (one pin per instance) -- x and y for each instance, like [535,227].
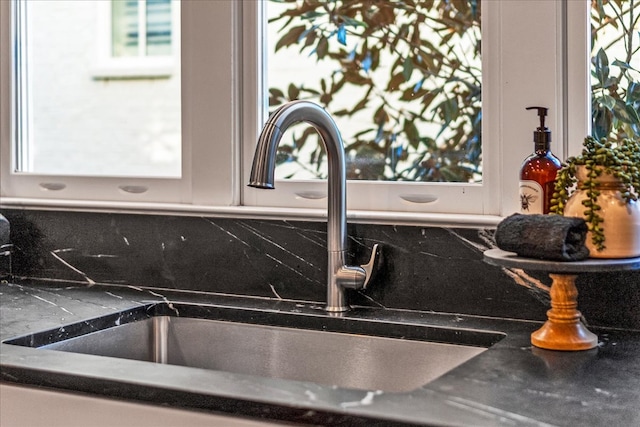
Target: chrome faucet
[339,275]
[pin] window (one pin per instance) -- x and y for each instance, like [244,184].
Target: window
[222,111]
[532,74]
[402,81]
[73,124]
[615,76]
[136,38]
[140,28]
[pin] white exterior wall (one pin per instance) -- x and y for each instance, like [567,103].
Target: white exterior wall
[89,126]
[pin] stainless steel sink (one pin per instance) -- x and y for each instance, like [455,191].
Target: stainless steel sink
[341,359]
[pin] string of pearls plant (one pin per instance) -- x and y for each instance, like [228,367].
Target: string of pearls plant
[621,160]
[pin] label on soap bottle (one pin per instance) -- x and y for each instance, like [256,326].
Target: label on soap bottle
[531,197]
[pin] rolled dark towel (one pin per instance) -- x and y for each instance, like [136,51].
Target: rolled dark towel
[552,237]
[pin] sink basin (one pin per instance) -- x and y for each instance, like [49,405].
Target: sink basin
[346,353]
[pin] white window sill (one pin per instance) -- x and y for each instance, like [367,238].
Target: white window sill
[134,68]
[293,214]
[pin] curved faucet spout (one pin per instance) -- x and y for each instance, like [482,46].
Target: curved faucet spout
[262,176]
[264,160]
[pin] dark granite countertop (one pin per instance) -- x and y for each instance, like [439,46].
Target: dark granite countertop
[509,384]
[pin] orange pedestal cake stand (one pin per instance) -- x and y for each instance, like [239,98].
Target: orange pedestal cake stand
[563,329]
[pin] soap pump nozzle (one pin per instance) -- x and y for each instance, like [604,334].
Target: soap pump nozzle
[542,135]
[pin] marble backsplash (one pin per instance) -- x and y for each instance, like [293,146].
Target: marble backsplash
[421,268]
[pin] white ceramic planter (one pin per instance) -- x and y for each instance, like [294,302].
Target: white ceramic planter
[621,220]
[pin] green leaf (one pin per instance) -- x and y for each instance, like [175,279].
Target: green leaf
[611,81]
[412,133]
[633,92]
[356,78]
[309,38]
[623,65]
[309,91]
[601,12]
[277,93]
[305,135]
[601,122]
[276,97]
[634,115]
[449,110]
[353,22]
[428,98]
[607,101]
[626,113]
[292,37]
[293,92]
[360,105]
[322,47]
[363,132]
[395,82]
[601,63]
[407,69]
[380,117]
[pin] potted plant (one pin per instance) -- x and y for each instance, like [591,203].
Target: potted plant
[602,185]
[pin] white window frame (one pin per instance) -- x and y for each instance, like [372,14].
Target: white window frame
[209,105]
[221,119]
[536,78]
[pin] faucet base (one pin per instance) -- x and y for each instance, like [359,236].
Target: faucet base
[337,309]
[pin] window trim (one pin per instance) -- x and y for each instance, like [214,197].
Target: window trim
[507,127]
[214,174]
[576,36]
[201,66]
[412,197]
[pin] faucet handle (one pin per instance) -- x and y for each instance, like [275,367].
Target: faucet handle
[369,267]
[357,277]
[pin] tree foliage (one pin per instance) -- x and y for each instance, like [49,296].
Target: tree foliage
[616,88]
[416,63]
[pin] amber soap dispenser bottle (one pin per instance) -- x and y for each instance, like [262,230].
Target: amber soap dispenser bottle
[538,171]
